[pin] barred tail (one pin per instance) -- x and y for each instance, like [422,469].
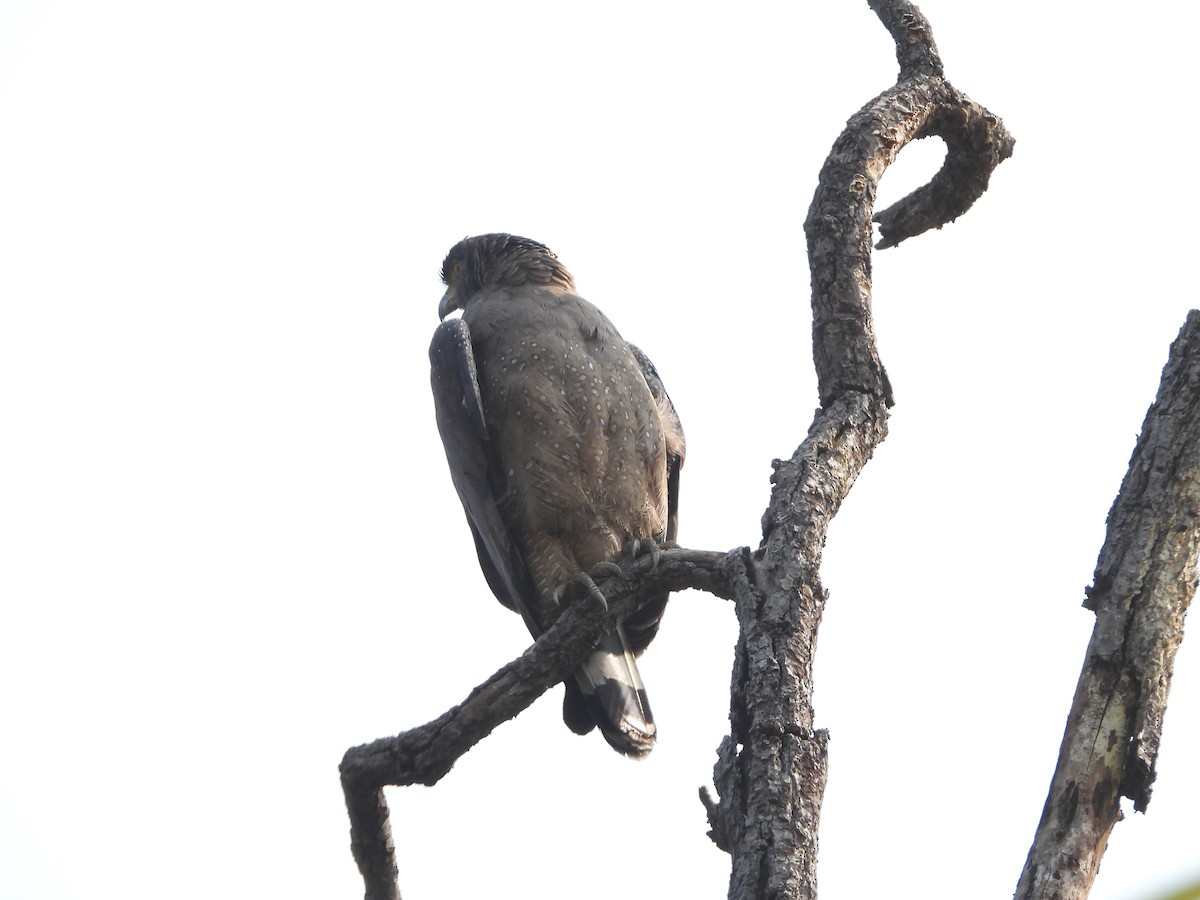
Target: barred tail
[608,692]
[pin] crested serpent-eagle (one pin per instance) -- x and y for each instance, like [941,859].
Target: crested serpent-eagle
[564,449]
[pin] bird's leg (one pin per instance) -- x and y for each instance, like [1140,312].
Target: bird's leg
[607,568]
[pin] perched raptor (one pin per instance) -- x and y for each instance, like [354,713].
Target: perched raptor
[564,448]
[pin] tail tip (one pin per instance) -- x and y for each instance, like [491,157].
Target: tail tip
[633,741]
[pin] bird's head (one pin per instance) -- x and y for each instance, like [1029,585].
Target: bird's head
[497,260]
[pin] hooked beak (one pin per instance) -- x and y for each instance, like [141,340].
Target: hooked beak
[448,304]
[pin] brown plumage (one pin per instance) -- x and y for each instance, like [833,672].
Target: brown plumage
[563,446]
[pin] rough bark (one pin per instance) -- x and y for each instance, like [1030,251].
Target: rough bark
[1144,582]
[771,771]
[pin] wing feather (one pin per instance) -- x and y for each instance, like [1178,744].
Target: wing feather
[473,468]
[642,626]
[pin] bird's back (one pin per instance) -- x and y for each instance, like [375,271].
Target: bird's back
[578,435]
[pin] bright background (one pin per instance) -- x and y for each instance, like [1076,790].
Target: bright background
[230,547]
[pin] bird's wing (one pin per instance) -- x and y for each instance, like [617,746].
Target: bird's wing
[673,430]
[642,626]
[459,409]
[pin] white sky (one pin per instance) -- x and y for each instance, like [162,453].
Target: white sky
[230,545]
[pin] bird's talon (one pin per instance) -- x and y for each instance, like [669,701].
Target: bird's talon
[591,590]
[640,547]
[606,568]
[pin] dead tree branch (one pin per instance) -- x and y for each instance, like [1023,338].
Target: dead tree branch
[771,770]
[423,755]
[1144,582]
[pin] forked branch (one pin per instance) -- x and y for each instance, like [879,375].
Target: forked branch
[771,769]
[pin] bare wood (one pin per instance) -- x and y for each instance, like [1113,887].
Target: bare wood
[1144,582]
[771,771]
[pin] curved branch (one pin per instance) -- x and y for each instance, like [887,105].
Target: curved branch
[423,755]
[976,141]
[839,220]
[771,770]
[1145,579]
